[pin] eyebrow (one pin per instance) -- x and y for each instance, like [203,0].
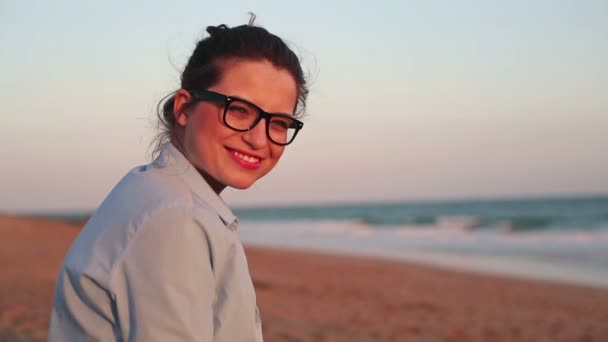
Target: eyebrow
[234,97]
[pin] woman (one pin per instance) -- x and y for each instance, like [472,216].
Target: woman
[160,259]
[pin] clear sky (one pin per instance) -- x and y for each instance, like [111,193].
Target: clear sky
[409,99]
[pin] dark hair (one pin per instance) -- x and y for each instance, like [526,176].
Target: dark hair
[204,67]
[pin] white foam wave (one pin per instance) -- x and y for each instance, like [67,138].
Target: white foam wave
[457,223]
[309,227]
[562,252]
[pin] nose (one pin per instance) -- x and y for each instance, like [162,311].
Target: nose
[256,137]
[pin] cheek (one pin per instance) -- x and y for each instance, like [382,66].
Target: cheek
[204,130]
[276,152]
[197,141]
[206,120]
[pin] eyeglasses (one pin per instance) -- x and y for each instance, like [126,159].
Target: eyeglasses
[241,115]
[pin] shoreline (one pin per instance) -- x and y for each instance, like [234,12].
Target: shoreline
[312,296]
[496,267]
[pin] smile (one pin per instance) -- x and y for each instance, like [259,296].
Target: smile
[245,160]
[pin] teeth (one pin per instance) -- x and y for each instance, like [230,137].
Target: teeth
[246,158]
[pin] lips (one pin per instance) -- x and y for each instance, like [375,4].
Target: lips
[245,160]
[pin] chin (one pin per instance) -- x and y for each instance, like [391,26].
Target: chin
[240,187]
[241,184]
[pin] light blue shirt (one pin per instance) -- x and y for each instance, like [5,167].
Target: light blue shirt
[160,260]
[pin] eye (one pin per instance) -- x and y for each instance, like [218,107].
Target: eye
[281,123]
[239,109]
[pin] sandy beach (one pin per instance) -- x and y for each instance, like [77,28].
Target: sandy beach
[306,296]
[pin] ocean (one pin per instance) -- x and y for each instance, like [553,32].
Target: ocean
[556,239]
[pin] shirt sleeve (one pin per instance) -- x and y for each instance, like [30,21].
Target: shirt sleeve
[164,283]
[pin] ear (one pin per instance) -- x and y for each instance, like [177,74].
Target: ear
[180,101]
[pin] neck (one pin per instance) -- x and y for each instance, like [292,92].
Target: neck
[216,186]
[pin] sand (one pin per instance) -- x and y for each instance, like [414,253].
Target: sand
[306,296]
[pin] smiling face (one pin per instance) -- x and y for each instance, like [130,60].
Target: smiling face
[223,156]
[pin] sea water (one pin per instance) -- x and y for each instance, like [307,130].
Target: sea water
[558,239]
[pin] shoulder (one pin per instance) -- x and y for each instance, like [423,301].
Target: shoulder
[149,201]
[142,196]
[152,187]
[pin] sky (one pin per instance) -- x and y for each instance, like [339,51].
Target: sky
[410,100]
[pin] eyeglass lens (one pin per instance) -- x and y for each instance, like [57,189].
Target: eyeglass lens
[242,116]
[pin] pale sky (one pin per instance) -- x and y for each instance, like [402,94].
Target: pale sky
[409,100]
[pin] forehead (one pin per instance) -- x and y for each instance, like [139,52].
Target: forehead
[260,82]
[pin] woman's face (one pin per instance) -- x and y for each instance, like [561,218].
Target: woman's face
[223,156]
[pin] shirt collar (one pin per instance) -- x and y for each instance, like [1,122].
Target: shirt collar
[171,157]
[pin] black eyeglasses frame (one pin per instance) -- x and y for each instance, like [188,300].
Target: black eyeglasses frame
[208,95]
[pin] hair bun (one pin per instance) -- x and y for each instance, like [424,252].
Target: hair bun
[215,30]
